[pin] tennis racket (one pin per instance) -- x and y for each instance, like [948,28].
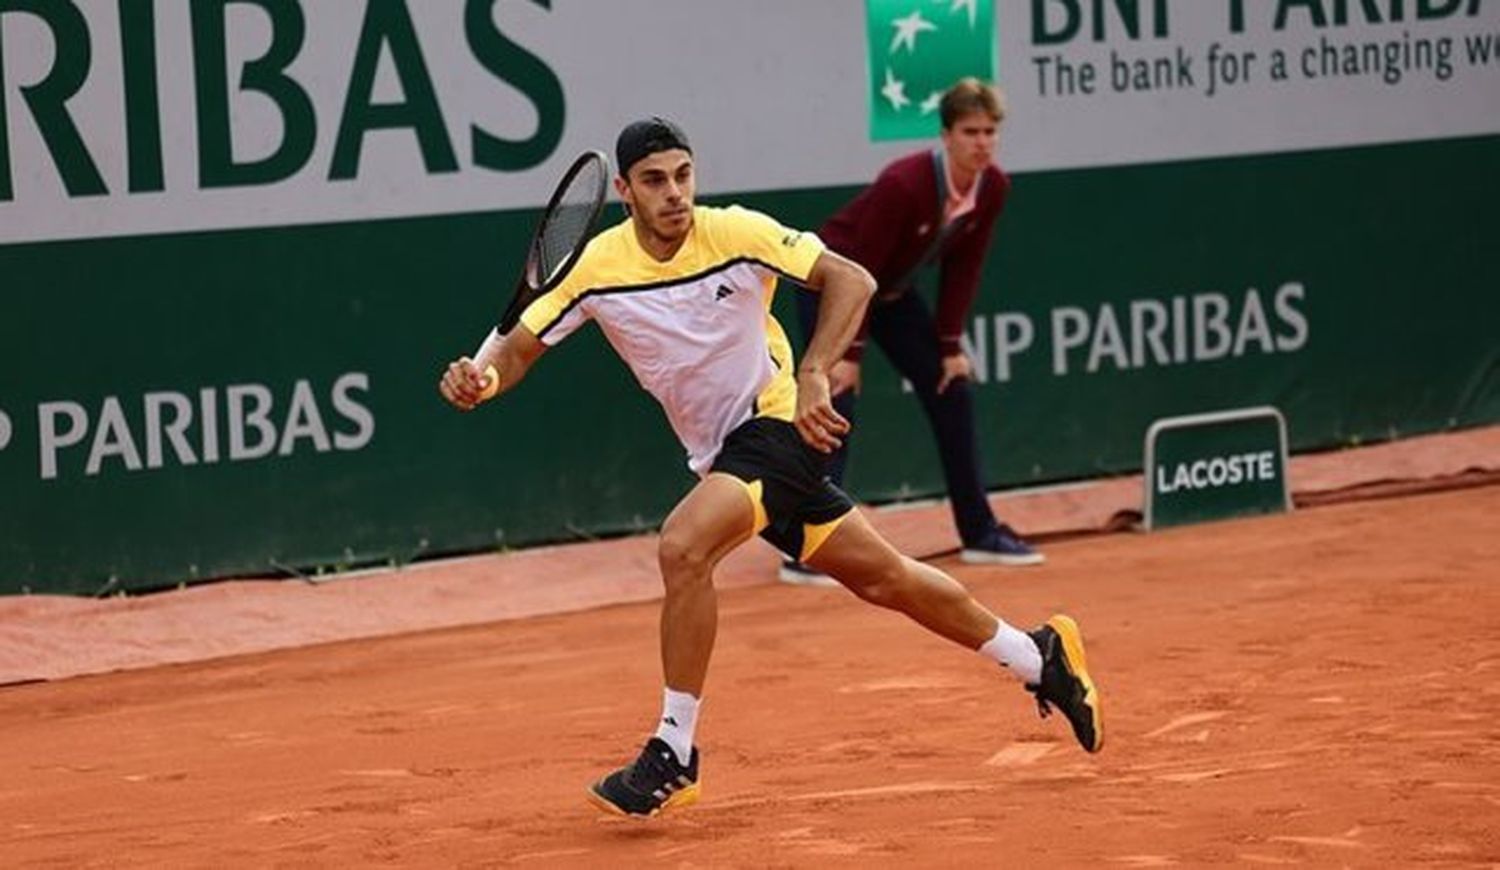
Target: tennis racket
[565,228]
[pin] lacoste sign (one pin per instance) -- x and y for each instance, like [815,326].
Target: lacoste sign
[1214,466]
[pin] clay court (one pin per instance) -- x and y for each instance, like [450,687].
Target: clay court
[1319,689]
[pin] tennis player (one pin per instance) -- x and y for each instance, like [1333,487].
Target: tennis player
[683,295]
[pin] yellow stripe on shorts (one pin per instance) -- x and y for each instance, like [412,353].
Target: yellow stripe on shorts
[756,490]
[813,536]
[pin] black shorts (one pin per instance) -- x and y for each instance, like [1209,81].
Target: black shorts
[796,506]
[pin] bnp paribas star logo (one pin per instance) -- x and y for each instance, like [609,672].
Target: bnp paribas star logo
[917,50]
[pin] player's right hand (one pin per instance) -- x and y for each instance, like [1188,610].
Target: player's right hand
[843,377]
[815,418]
[463,384]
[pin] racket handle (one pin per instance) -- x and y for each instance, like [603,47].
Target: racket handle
[481,357]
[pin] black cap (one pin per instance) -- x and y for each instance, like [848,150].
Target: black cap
[641,139]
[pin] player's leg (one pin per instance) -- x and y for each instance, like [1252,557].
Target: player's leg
[908,336]
[1049,661]
[714,518]
[859,558]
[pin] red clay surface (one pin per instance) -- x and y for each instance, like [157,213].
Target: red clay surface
[1320,688]
[49,637]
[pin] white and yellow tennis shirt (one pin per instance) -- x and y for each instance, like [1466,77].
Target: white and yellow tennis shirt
[696,330]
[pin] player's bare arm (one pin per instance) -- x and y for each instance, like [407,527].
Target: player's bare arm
[465,383]
[845,289]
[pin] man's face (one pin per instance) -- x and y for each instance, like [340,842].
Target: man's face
[971,141]
[659,191]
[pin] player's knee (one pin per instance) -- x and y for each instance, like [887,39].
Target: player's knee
[682,557]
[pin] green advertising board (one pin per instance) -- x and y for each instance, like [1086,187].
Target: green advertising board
[1214,466]
[1115,297]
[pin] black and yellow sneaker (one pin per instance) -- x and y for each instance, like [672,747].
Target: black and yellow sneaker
[1065,682]
[654,782]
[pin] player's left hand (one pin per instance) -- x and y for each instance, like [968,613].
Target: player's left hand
[955,367]
[463,384]
[816,420]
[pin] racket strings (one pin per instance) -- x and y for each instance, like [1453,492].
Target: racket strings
[569,223]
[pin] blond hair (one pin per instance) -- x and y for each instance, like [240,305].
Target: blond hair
[970,95]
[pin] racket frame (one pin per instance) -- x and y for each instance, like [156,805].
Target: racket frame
[527,289]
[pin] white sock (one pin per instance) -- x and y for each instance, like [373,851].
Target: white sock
[1015,650]
[679,716]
